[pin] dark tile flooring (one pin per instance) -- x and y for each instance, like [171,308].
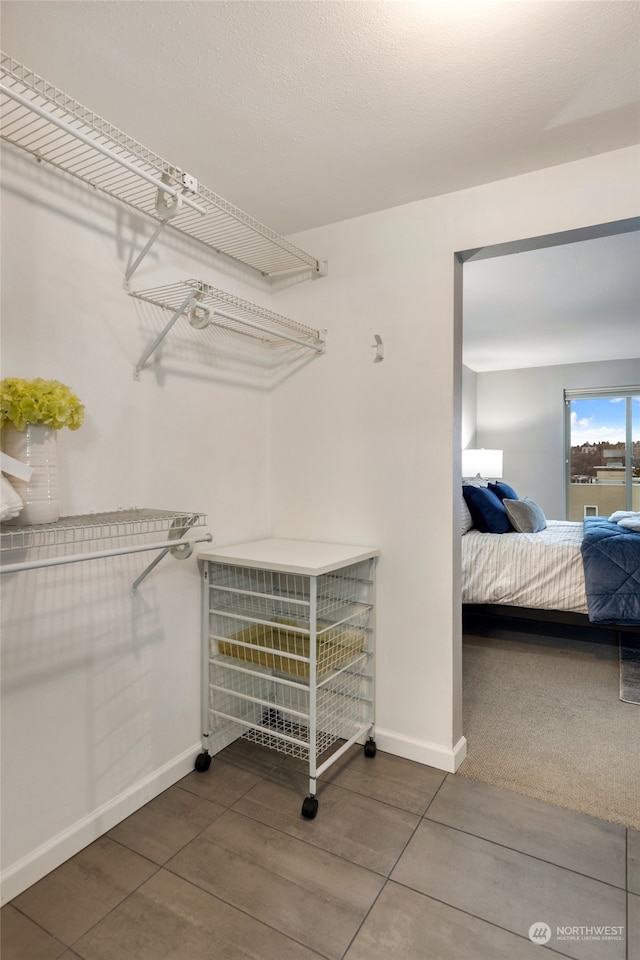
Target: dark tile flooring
[403,861]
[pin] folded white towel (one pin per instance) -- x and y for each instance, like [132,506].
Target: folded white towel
[630,523]
[10,503]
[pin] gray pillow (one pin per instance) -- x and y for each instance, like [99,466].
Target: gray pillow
[525,515]
[465,519]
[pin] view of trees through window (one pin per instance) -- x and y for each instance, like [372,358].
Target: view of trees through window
[603,456]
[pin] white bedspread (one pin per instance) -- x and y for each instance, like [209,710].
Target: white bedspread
[541,570]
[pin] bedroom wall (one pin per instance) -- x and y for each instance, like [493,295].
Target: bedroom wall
[100,690]
[469,409]
[522,412]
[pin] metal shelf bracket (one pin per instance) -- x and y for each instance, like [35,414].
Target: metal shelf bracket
[168,204]
[181,551]
[321,270]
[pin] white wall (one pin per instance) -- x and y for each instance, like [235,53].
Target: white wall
[369,453]
[522,412]
[100,691]
[105,689]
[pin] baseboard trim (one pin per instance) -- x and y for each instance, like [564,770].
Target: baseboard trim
[51,854]
[422,751]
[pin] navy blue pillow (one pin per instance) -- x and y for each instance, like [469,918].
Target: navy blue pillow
[503,490]
[487,510]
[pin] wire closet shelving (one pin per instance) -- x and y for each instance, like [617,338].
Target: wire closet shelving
[112,532]
[41,119]
[204,305]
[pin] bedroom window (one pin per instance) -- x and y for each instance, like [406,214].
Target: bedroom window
[602,434]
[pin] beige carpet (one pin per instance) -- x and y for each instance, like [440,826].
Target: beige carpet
[542,717]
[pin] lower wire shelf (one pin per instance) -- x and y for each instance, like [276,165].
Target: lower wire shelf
[33,546]
[94,527]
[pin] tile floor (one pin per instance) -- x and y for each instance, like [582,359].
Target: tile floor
[403,861]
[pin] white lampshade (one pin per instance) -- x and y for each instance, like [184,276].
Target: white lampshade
[486,463]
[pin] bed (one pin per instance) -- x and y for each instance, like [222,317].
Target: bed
[541,570]
[585,573]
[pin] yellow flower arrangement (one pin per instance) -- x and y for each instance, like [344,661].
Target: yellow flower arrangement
[39,401]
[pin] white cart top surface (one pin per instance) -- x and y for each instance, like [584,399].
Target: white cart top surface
[291,556]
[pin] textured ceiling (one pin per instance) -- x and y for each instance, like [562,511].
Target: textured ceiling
[305,113]
[562,304]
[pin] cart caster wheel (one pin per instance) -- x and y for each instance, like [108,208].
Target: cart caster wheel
[203,762]
[370,748]
[309,808]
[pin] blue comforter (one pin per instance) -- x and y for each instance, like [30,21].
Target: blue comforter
[611,559]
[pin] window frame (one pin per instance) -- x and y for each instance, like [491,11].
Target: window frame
[593,393]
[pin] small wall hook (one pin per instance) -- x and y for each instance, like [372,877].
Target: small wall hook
[378,346]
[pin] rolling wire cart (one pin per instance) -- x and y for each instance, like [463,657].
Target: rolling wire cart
[289,651]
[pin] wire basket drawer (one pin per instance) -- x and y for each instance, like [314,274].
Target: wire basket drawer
[286,647]
[275,712]
[272,594]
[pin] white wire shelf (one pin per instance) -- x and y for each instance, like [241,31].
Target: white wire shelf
[204,305]
[41,119]
[115,530]
[96,527]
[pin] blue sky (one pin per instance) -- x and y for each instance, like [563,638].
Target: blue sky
[593,421]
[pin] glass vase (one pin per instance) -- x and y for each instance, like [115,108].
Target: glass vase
[36,446]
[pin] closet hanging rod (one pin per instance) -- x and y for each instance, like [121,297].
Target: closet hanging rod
[100,554]
[105,151]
